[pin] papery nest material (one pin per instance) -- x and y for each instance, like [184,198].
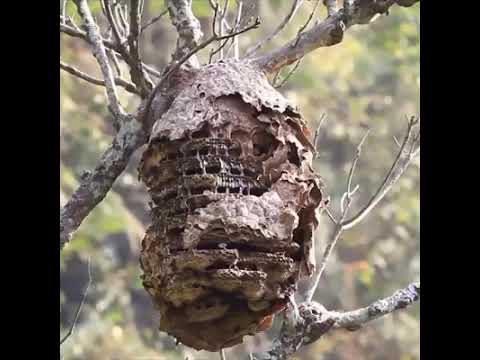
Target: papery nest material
[236,201]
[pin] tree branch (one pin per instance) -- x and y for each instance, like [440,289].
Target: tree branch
[406,154]
[316,321]
[327,33]
[188,28]
[80,305]
[136,70]
[94,187]
[118,81]
[100,54]
[153,20]
[293,10]
[352,320]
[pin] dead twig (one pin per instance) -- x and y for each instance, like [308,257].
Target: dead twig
[80,305]
[293,10]
[118,81]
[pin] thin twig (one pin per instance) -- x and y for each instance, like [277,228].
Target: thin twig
[295,6]
[345,204]
[317,134]
[290,73]
[136,70]
[115,28]
[100,54]
[118,81]
[80,305]
[153,20]
[63,10]
[403,159]
[235,42]
[304,26]
[72,31]
[222,354]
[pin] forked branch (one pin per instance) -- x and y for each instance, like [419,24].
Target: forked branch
[100,54]
[317,321]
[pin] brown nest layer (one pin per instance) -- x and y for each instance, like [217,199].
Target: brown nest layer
[235,203]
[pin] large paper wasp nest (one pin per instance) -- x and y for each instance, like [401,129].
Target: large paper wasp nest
[235,203]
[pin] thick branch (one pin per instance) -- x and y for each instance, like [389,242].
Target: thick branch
[352,320]
[327,33]
[118,81]
[188,28]
[100,54]
[316,321]
[96,185]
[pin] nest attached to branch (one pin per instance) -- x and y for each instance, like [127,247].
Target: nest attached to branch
[235,202]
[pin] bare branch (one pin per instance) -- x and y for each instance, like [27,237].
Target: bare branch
[317,134]
[236,26]
[100,54]
[304,26]
[352,320]
[316,321]
[69,30]
[222,22]
[63,9]
[404,158]
[80,305]
[176,65]
[188,28]
[290,73]
[136,70]
[118,81]
[153,20]
[332,6]
[222,354]
[327,33]
[293,10]
[94,188]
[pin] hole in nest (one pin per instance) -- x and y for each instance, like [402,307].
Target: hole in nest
[235,171]
[203,151]
[202,133]
[249,172]
[263,143]
[236,151]
[201,95]
[171,156]
[192,171]
[256,191]
[199,190]
[170,195]
[221,189]
[235,190]
[213,169]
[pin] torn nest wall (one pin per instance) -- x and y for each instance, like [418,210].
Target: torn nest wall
[235,202]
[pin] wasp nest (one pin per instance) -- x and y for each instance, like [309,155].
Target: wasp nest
[235,203]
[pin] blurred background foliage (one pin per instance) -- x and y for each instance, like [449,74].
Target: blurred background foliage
[371,79]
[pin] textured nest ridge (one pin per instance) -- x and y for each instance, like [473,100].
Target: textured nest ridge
[235,203]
